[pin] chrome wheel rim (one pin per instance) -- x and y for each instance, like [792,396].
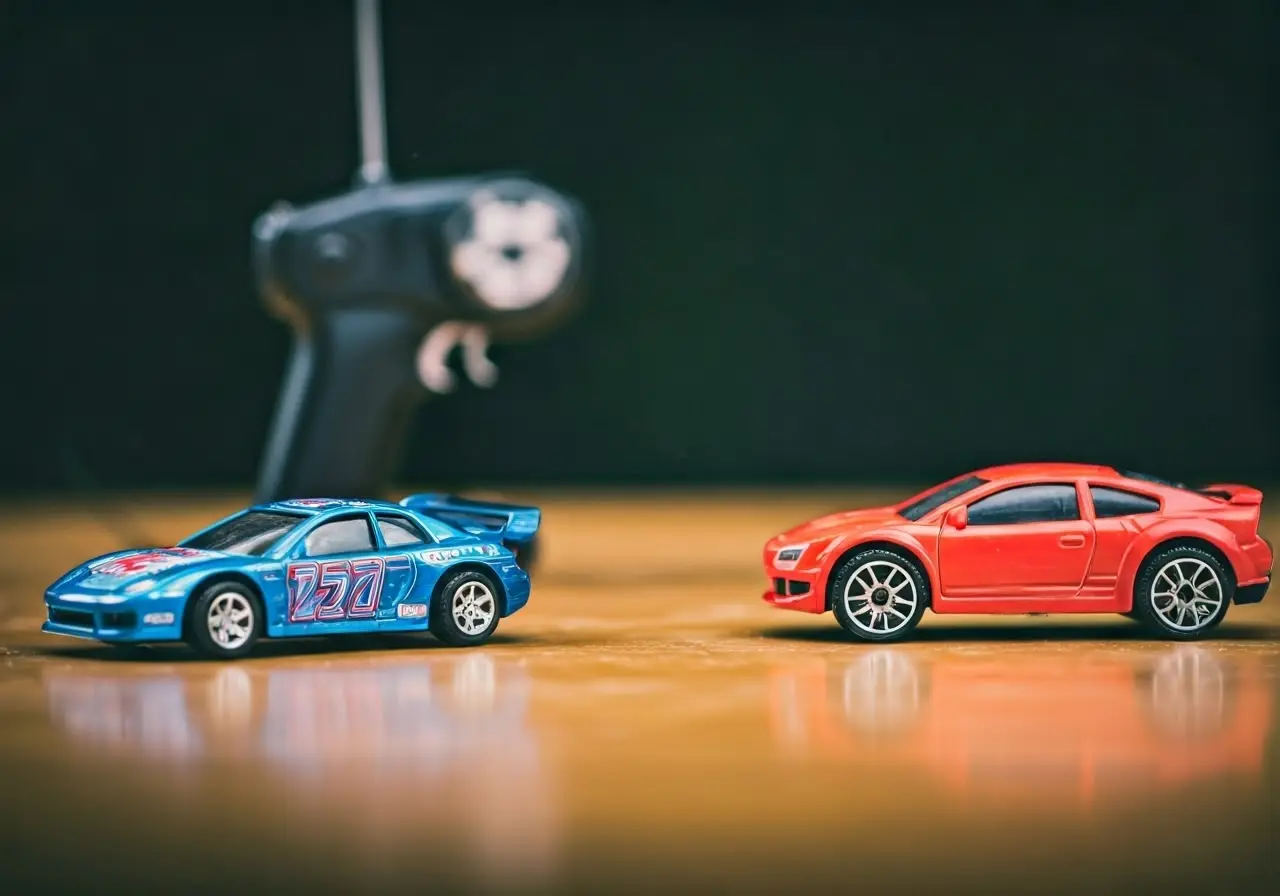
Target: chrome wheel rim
[474,608]
[230,620]
[1186,594]
[880,597]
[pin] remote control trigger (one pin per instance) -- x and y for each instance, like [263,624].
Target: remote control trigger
[433,356]
[475,358]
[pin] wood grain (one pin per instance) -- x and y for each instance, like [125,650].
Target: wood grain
[647,723]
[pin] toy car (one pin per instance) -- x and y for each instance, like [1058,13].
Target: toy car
[1031,539]
[309,567]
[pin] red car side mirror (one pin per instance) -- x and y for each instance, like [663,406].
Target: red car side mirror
[958,517]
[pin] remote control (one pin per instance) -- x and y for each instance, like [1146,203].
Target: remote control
[381,284]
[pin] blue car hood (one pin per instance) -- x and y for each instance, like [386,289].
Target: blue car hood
[116,571]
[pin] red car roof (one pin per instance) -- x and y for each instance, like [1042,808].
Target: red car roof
[1018,471]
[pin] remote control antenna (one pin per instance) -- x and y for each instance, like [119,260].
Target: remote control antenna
[373,127]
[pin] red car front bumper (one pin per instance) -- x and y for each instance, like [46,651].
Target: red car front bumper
[795,589]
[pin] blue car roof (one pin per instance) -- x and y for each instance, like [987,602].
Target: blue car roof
[321,505]
[309,508]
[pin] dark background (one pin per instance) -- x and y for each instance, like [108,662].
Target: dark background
[832,246]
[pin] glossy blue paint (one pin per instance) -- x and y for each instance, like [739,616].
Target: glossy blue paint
[141,595]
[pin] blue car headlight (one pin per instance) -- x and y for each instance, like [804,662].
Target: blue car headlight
[155,588]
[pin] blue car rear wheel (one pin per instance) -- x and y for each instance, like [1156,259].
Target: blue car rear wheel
[466,612]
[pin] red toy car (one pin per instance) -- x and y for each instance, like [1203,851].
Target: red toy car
[1031,538]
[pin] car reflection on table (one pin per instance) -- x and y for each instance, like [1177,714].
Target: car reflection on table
[1082,730]
[421,748]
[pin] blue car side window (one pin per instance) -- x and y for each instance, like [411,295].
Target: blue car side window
[341,536]
[400,531]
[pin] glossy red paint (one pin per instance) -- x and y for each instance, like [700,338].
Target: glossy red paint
[1083,565]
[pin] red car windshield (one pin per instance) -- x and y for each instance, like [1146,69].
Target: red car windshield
[931,500]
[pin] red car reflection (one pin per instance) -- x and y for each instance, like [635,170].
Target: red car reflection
[1029,728]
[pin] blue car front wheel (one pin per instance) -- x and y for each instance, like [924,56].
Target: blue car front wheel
[225,621]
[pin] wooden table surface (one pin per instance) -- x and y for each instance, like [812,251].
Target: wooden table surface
[646,723]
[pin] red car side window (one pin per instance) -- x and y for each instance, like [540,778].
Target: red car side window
[1026,504]
[1113,502]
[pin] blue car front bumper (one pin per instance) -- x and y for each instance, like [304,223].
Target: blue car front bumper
[114,619]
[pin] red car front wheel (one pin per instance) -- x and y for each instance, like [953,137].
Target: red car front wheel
[877,595]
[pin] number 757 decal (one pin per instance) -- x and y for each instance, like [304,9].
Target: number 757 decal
[339,589]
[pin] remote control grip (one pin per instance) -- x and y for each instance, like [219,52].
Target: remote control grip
[348,395]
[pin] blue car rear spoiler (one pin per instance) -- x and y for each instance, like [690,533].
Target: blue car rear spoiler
[512,524]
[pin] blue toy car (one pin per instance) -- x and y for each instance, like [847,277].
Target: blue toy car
[309,567]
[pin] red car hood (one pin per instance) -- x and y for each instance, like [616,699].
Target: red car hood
[839,524]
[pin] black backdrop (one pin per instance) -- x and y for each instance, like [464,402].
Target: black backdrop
[832,247]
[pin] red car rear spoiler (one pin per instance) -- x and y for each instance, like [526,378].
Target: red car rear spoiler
[1234,494]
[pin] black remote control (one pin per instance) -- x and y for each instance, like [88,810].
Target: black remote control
[380,284]
[365,278]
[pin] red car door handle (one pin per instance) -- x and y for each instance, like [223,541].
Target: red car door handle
[1071,541]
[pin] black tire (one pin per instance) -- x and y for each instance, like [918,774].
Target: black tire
[199,625]
[443,621]
[1153,610]
[878,566]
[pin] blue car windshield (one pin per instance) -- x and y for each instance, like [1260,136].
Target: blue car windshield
[932,500]
[251,533]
